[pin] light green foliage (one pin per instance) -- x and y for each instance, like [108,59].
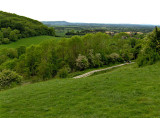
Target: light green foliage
[82,62]
[47,58]
[9,64]
[114,57]
[94,59]
[121,35]
[8,78]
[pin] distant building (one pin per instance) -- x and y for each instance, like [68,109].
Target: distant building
[110,33]
[139,32]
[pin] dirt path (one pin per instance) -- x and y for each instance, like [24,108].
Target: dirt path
[94,71]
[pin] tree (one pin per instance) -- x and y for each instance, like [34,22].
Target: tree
[14,35]
[82,62]
[21,50]
[1,36]
[154,40]
[6,32]
[150,52]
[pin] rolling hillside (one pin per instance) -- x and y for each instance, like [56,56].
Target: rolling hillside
[28,41]
[124,92]
[14,27]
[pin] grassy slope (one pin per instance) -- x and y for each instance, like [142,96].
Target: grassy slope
[27,41]
[124,92]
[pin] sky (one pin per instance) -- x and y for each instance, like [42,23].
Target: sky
[87,11]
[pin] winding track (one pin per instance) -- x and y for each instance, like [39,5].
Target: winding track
[94,71]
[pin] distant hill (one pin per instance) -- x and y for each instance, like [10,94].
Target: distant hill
[56,23]
[63,23]
[14,27]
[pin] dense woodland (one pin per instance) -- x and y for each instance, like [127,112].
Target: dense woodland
[60,57]
[14,27]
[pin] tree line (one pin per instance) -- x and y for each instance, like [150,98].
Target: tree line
[61,57]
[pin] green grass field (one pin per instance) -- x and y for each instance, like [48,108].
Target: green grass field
[125,92]
[28,41]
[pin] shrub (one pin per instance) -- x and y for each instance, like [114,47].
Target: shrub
[12,53]
[63,73]
[21,50]
[82,62]
[9,78]
[9,64]
[97,60]
[94,60]
[125,56]
[114,57]
[5,40]
[148,57]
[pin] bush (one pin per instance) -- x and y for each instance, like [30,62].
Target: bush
[125,56]
[97,60]
[12,53]
[148,57]
[63,73]
[9,78]
[9,64]
[21,50]
[94,60]
[5,40]
[114,57]
[82,62]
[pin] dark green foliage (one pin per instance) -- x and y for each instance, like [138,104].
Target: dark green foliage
[5,41]
[9,78]
[14,35]
[12,53]
[136,50]
[63,73]
[148,57]
[21,50]
[14,27]
[150,53]
[154,40]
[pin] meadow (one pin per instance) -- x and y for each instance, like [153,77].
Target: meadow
[125,92]
[28,41]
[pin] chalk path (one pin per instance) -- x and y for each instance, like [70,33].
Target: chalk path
[94,71]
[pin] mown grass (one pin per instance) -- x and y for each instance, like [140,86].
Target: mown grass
[28,41]
[125,92]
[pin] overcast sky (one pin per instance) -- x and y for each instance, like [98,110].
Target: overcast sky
[89,11]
